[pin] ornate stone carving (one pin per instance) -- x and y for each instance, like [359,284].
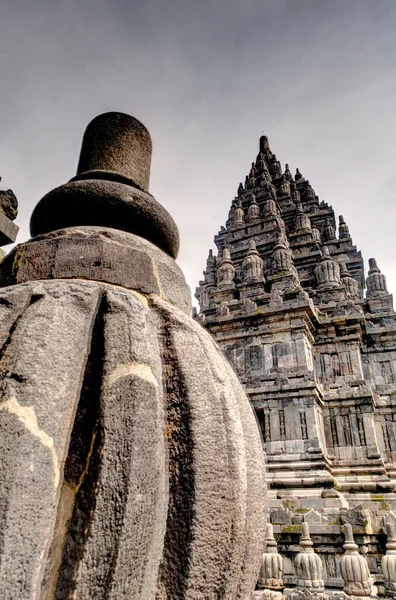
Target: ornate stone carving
[388,562]
[226,271]
[343,229]
[249,305]
[351,285]
[287,174]
[239,215]
[131,464]
[252,265]
[327,272]
[309,192]
[296,196]
[329,233]
[302,222]
[282,257]
[253,213]
[276,167]
[222,309]
[307,564]
[316,235]
[353,567]
[376,281]
[284,189]
[271,570]
[264,145]
[324,425]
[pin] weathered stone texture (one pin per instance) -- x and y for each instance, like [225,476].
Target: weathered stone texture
[131,461]
[284,298]
[106,204]
[141,476]
[98,254]
[116,144]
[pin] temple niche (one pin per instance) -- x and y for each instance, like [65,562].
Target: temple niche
[316,352]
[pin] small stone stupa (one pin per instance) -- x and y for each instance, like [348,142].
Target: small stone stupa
[131,463]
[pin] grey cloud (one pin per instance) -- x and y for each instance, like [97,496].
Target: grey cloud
[207,78]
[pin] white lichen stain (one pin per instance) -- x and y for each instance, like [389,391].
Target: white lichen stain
[140,297]
[135,369]
[27,417]
[157,279]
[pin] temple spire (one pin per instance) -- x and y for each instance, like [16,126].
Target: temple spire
[343,229]
[376,281]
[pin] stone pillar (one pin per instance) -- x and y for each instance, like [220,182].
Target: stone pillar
[131,462]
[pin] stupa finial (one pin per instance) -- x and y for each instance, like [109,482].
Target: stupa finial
[111,186]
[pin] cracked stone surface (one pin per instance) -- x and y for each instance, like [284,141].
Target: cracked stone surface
[130,468]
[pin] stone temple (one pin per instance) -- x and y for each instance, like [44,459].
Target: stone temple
[313,341]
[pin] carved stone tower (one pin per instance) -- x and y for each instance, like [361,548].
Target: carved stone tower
[317,358]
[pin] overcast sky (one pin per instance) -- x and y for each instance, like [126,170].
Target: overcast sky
[208,77]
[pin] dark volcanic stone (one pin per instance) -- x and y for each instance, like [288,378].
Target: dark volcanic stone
[98,254]
[8,230]
[111,187]
[131,463]
[106,204]
[117,144]
[9,204]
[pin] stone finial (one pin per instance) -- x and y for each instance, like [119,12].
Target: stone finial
[307,564]
[264,145]
[271,570]
[116,147]
[327,272]
[296,196]
[309,191]
[376,281]
[388,561]
[301,222]
[252,265]
[343,229]
[269,208]
[351,285]
[316,235]
[284,189]
[298,175]
[353,567]
[260,162]
[329,233]
[287,174]
[240,189]
[282,260]
[276,167]
[111,186]
[226,271]
[210,271]
[239,215]
[253,213]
